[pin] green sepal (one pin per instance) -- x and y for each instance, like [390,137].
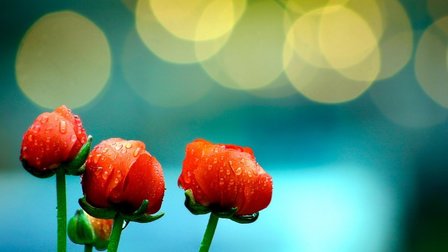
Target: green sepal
[245,219]
[140,216]
[80,230]
[149,218]
[193,206]
[100,244]
[140,211]
[40,174]
[196,208]
[76,166]
[225,214]
[101,213]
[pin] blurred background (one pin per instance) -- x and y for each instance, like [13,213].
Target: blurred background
[345,103]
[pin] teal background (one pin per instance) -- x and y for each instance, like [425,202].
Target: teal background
[346,178]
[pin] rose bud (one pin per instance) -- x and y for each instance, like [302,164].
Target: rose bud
[222,177]
[120,175]
[53,138]
[88,230]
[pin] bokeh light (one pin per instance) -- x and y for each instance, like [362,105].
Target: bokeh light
[431,61]
[301,7]
[327,85]
[344,37]
[64,58]
[252,57]
[166,45]
[158,82]
[199,19]
[437,8]
[130,4]
[404,103]
[279,88]
[396,43]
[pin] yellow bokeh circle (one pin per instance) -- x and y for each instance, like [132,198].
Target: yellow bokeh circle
[431,61]
[64,58]
[198,20]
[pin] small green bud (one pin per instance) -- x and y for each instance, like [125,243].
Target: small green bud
[80,230]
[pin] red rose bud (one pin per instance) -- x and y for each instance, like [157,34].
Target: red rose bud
[121,174]
[53,138]
[88,230]
[225,177]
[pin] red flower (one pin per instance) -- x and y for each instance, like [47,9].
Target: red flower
[225,176]
[52,139]
[121,174]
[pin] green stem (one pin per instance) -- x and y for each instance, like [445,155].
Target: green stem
[88,248]
[209,232]
[116,232]
[61,210]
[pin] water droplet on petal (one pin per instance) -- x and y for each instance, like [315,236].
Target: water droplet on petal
[36,128]
[128,145]
[105,175]
[73,138]
[44,119]
[96,158]
[136,152]
[62,126]
[188,177]
[30,137]
[118,146]
[238,170]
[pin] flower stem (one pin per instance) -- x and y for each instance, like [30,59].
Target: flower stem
[116,232]
[88,248]
[61,210]
[209,232]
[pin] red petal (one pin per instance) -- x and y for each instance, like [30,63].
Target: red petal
[144,181]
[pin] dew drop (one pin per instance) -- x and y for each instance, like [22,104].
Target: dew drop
[44,119]
[36,128]
[221,181]
[136,151]
[227,172]
[96,158]
[73,138]
[62,127]
[30,137]
[128,145]
[118,146]
[238,170]
[105,175]
[188,178]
